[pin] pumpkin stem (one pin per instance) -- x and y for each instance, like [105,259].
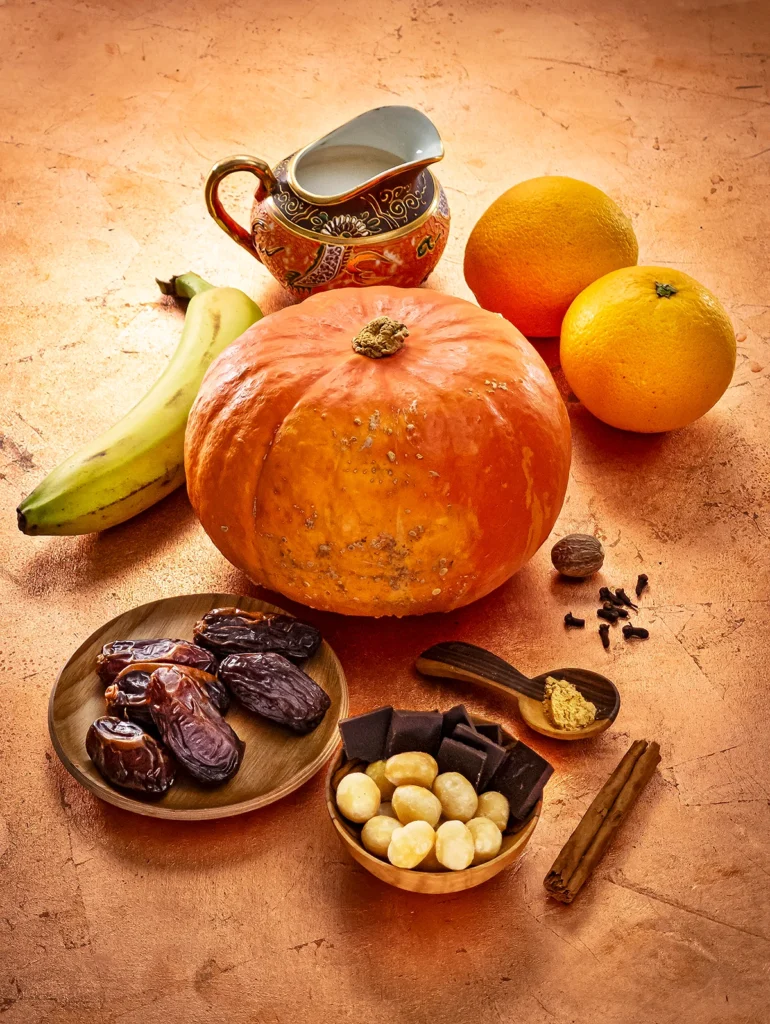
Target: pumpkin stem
[381,337]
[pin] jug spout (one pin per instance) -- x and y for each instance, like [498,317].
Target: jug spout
[386,142]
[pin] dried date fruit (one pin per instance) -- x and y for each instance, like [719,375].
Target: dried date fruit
[191,727]
[127,697]
[127,757]
[269,685]
[234,631]
[120,654]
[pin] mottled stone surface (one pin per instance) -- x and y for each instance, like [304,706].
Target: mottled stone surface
[112,112]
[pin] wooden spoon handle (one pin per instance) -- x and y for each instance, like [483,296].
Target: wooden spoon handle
[457,660]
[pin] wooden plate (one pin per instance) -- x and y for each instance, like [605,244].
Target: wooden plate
[275,762]
[414,880]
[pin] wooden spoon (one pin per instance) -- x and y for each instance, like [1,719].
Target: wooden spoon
[458,660]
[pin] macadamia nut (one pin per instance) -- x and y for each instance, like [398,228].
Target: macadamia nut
[411,843]
[377,833]
[487,839]
[358,797]
[415,803]
[494,806]
[454,845]
[430,862]
[386,808]
[458,797]
[414,768]
[376,771]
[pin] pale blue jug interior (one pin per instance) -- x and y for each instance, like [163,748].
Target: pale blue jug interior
[371,146]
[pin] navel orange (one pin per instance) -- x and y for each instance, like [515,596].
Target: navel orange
[540,244]
[647,349]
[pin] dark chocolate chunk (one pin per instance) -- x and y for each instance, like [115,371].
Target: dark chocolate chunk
[454,756]
[496,754]
[492,731]
[365,735]
[521,779]
[414,730]
[456,716]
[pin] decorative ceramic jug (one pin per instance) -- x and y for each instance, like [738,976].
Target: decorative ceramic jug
[357,207]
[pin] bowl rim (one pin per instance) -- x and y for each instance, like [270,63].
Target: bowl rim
[498,863]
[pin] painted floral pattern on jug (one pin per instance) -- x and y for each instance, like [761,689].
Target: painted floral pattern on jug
[389,229]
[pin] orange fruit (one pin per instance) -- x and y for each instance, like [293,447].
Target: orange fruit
[647,349]
[540,244]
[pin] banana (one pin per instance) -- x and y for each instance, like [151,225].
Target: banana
[140,459]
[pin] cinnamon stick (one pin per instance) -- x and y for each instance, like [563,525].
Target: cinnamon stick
[587,844]
[569,858]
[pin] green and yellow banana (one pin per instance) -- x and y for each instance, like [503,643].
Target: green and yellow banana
[141,459]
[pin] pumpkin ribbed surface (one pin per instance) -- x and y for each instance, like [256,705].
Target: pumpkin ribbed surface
[410,483]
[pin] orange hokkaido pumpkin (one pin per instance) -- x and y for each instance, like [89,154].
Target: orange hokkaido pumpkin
[379,451]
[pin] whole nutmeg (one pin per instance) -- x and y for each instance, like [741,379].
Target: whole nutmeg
[578,555]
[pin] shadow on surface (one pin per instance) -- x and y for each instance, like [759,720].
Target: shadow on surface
[136,839]
[75,563]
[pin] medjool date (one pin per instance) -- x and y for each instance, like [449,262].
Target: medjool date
[234,631]
[121,653]
[127,757]
[269,685]
[191,727]
[127,697]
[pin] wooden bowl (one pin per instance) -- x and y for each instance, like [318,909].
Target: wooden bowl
[415,880]
[276,761]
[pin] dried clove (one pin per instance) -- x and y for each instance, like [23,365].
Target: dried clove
[570,620]
[638,632]
[605,594]
[624,598]
[620,613]
[641,582]
[609,614]
[604,633]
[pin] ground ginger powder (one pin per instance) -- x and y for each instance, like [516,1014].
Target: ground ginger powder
[565,706]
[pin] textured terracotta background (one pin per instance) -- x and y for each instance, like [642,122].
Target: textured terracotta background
[112,112]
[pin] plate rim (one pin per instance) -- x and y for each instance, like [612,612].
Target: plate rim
[150,810]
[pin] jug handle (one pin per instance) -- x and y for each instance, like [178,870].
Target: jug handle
[220,171]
